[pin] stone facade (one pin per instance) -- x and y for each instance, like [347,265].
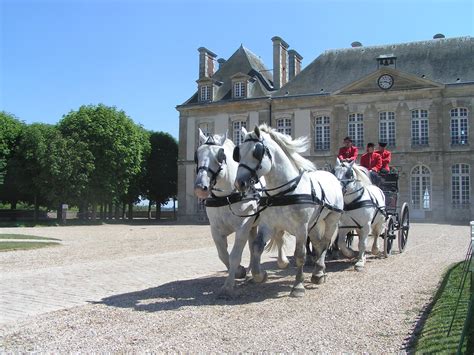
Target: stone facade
[429,105]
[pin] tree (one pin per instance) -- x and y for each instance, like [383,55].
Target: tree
[10,129]
[115,143]
[160,182]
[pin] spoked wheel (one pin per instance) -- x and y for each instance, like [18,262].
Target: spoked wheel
[404,227]
[388,236]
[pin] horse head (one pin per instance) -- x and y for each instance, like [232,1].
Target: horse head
[254,158]
[210,159]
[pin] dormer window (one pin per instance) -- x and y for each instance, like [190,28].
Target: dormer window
[240,91]
[205,93]
[387,60]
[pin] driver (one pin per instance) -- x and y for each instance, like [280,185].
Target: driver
[386,156]
[348,152]
[372,161]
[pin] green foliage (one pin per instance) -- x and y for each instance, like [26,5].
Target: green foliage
[160,183]
[10,129]
[115,144]
[433,337]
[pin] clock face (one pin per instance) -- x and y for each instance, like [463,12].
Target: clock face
[385,81]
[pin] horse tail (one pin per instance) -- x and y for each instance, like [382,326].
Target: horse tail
[277,242]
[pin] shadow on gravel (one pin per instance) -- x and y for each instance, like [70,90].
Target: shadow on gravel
[203,291]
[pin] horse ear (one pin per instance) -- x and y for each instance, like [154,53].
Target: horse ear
[202,137]
[226,135]
[338,161]
[257,131]
[351,163]
[244,131]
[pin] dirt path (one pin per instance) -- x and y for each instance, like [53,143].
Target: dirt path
[122,288]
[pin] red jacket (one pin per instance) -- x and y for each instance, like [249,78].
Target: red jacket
[348,153]
[371,161]
[386,158]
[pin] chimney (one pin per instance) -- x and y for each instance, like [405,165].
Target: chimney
[221,61]
[206,63]
[294,63]
[439,36]
[280,58]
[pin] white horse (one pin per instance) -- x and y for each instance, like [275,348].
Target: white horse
[364,209]
[297,199]
[215,176]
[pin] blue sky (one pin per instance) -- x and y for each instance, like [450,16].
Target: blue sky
[141,56]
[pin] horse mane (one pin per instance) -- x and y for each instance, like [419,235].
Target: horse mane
[291,147]
[362,175]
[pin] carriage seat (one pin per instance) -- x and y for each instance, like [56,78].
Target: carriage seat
[389,182]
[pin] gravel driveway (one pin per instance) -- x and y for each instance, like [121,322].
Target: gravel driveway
[171,305]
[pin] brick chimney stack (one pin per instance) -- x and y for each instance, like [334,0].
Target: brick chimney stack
[206,63]
[294,63]
[280,59]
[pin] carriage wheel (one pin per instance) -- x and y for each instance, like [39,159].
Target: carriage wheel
[388,236]
[404,227]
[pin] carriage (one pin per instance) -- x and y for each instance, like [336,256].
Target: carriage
[398,219]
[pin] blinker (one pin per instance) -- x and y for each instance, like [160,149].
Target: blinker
[236,154]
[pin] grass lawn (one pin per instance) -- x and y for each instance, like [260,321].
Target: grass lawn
[23,236]
[433,337]
[9,246]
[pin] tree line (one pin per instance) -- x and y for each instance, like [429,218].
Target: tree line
[95,158]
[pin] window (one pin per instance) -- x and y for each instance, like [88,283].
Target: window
[421,188]
[460,185]
[459,129]
[419,127]
[284,126]
[356,129]
[239,90]
[237,134]
[387,127]
[205,93]
[322,133]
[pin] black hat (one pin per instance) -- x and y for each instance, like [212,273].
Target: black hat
[370,145]
[348,139]
[383,144]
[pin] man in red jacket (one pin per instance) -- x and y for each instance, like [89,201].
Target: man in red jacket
[349,152]
[386,157]
[372,161]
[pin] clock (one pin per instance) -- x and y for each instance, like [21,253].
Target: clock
[385,81]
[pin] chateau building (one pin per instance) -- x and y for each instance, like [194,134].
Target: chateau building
[417,96]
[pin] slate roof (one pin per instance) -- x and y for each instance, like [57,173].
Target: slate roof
[246,62]
[440,60]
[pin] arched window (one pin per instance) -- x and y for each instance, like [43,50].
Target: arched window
[387,127]
[460,185]
[356,129]
[459,126]
[421,188]
[419,127]
[322,133]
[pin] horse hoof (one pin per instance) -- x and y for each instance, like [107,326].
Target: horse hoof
[318,280]
[283,264]
[297,292]
[359,267]
[260,278]
[225,294]
[375,251]
[241,272]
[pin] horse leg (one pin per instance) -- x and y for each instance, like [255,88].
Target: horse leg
[376,231]
[300,254]
[258,244]
[309,252]
[330,231]
[282,259]
[364,233]
[341,243]
[235,269]
[220,240]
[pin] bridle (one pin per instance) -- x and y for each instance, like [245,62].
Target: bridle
[221,159]
[259,152]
